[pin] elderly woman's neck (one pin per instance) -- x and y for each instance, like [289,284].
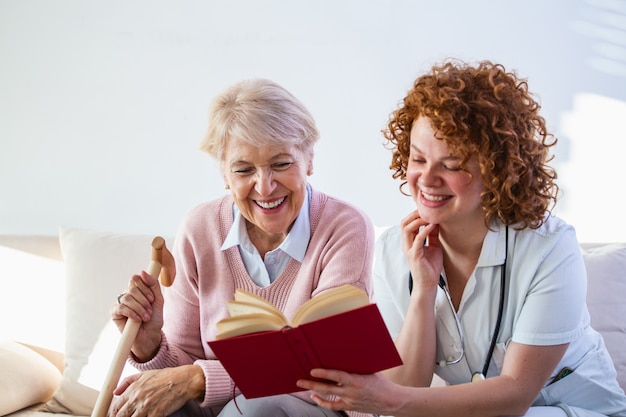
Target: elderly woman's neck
[264,242]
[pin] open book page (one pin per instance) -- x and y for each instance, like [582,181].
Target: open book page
[333,301]
[250,313]
[247,323]
[247,303]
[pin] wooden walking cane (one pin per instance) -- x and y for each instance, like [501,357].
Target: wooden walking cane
[161,265]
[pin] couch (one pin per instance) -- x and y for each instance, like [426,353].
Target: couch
[57,339]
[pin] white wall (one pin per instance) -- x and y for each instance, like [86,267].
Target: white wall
[103,103]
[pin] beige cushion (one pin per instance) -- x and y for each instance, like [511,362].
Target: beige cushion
[98,266]
[26,377]
[606,298]
[32,298]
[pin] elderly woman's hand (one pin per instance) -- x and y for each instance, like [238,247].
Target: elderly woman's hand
[143,302]
[157,392]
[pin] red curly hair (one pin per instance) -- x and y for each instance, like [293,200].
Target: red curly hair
[485,111]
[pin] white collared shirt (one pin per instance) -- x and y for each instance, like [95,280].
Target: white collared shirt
[264,271]
[544,297]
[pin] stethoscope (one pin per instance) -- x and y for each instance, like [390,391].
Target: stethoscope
[476,376]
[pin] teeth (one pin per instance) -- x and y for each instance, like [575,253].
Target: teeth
[433,198]
[270,205]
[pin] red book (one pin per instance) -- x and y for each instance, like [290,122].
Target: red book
[270,362]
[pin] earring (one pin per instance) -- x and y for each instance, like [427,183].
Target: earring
[226,187]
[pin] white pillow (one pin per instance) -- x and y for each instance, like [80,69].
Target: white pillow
[26,378]
[98,266]
[606,298]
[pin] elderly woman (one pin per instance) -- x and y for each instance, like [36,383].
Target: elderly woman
[480,284]
[273,235]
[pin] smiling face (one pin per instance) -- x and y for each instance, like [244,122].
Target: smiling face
[444,193]
[268,185]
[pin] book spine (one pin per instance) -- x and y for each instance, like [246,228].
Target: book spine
[301,348]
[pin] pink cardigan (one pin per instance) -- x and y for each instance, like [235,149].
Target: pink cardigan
[340,252]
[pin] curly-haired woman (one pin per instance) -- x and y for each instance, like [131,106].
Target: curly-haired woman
[481,284]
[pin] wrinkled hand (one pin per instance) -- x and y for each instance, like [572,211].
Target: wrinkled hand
[157,393]
[143,302]
[425,262]
[373,393]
